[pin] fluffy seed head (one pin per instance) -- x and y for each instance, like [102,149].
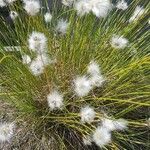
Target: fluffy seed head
[37,42]
[82,86]
[26,59]
[48,17]
[68,2]
[13,15]
[112,125]
[62,26]
[2,3]
[96,80]
[108,124]
[32,7]
[139,11]
[55,100]
[37,66]
[122,4]
[121,124]
[10,1]
[119,42]
[101,136]
[100,7]
[6,131]
[83,7]
[93,68]
[87,114]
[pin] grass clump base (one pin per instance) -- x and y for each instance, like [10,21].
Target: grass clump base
[80,78]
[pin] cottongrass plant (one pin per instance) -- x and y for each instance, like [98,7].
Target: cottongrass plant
[6,131]
[79,78]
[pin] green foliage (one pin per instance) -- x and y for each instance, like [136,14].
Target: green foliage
[125,93]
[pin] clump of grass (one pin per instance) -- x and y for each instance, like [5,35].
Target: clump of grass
[76,75]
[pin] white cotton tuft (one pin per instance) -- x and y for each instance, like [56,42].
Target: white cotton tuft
[82,86]
[119,42]
[62,26]
[122,4]
[68,2]
[83,7]
[13,15]
[96,80]
[100,7]
[121,124]
[139,11]
[93,68]
[2,3]
[10,1]
[87,114]
[108,124]
[45,59]
[112,125]
[6,131]
[37,42]
[37,66]
[101,136]
[55,100]
[87,140]
[26,59]
[32,7]
[48,17]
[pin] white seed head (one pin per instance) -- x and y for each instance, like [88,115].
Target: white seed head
[55,100]
[48,17]
[93,68]
[122,4]
[2,3]
[10,1]
[13,15]
[119,42]
[6,131]
[37,66]
[139,11]
[37,42]
[82,86]
[26,59]
[100,8]
[68,2]
[87,114]
[121,124]
[112,125]
[62,26]
[83,7]
[32,7]
[108,124]
[96,80]
[101,136]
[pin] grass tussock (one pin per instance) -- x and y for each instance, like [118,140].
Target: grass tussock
[61,102]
